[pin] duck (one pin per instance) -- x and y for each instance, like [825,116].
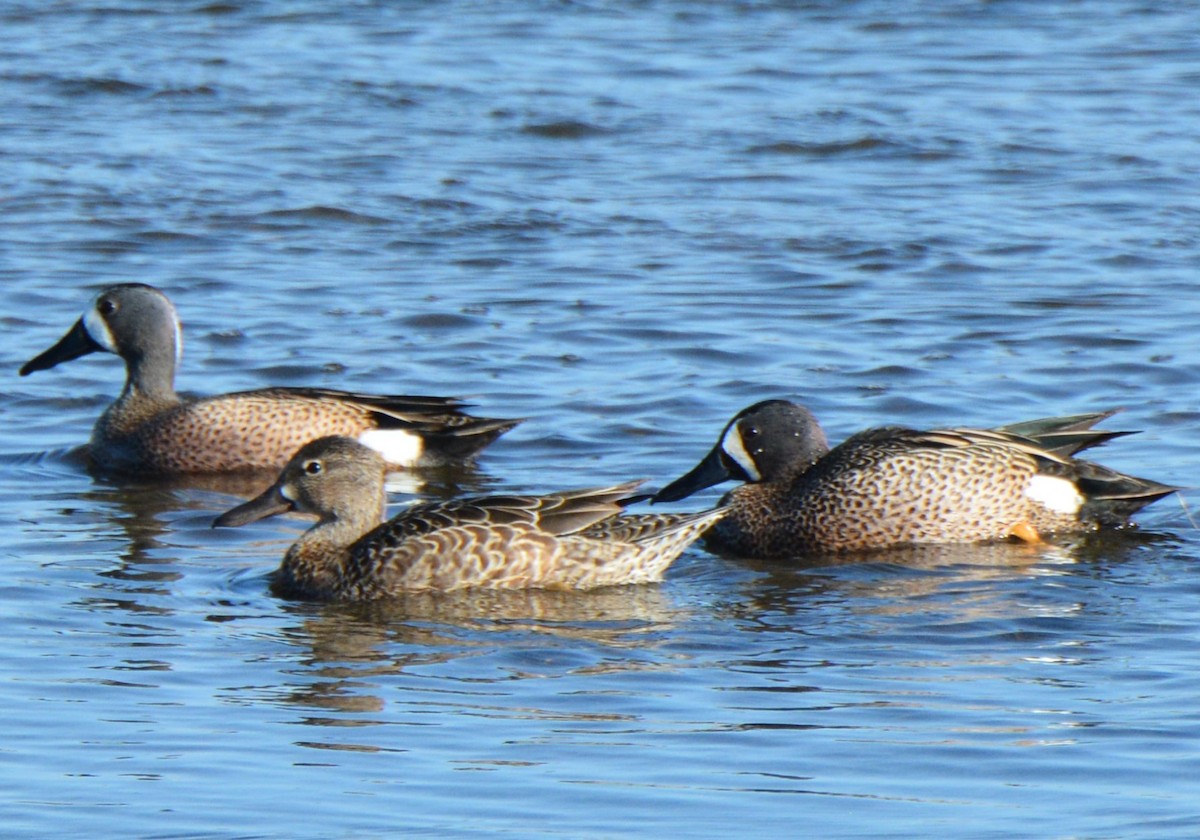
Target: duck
[574,540]
[893,486]
[151,429]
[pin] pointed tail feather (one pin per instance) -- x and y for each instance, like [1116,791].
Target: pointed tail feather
[462,442]
[1066,436]
[638,527]
[1113,497]
[1068,423]
[661,538]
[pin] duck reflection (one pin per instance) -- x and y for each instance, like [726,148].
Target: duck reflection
[967,578]
[351,647]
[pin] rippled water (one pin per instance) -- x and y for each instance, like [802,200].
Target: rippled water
[623,221]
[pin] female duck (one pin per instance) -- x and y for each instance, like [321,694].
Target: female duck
[892,486]
[573,540]
[152,429]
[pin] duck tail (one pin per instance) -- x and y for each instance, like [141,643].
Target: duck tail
[661,543]
[1113,497]
[462,442]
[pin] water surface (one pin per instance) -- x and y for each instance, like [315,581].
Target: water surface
[622,221]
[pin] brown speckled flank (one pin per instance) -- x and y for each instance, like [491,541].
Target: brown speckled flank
[151,429]
[892,486]
[573,540]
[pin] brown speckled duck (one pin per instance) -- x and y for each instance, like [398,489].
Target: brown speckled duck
[571,540]
[151,429]
[893,486]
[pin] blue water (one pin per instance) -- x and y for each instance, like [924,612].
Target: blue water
[624,222]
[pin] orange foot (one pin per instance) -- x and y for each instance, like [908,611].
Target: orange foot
[1025,533]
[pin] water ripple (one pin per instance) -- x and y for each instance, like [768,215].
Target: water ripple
[623,222]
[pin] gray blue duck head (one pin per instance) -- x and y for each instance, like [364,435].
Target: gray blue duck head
[768,441]
[135,321]
[331,478]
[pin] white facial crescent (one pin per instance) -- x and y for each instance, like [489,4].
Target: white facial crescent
[735,448]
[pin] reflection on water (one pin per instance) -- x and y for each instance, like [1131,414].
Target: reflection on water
[623,222]
[732,681]
[616,617]
[348,649]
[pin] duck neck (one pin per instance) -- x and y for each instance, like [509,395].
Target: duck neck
[149,391]
[316,566]
[150,376]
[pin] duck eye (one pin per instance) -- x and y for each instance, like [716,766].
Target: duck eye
[750,432]
[106,307]
[312,467]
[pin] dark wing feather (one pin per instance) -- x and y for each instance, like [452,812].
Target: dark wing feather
[1054,437]
[555,513]
[1051,425]
[391,411]
[635,527]
[1066,435]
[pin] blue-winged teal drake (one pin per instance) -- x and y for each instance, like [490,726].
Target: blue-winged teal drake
[893,486]
[572,540]
[152,429]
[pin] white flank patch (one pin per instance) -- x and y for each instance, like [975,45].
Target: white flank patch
[94,323]
[736,449]
[398,447]
[1057,494]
